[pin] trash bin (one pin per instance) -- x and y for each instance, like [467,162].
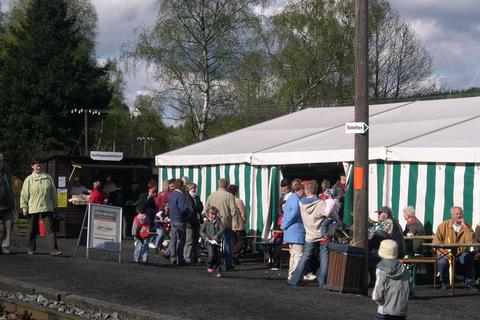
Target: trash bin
[344,268]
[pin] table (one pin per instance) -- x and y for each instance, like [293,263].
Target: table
[266,245]
[452,247]
[251,240]
[418,237]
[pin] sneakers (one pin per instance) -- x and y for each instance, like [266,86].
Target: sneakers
[309,277]
[210,270]
[6,250]
[56,253]
[218,275]
[30,252]
[151,245]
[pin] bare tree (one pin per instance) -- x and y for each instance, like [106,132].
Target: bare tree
[194,47]
[399,65]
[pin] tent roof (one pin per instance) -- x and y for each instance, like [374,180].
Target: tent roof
[435,130]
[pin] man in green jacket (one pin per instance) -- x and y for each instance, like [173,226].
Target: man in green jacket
[6,205]
[38,199]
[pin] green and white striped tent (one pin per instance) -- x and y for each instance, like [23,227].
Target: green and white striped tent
[422,153]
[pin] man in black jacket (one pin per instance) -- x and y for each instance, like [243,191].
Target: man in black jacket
[191,251]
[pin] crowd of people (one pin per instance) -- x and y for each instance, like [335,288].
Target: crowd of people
[174,221]
[177,213]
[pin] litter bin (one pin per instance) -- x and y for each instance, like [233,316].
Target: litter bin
[344,268]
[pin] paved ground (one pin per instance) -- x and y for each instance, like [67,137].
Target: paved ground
[189,292]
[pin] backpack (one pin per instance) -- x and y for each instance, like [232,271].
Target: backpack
[144,230]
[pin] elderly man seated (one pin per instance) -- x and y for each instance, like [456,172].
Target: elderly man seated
[413,227]
[455,230]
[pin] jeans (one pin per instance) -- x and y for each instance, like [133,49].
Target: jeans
[466,259]
[227,247]
[213,257]
[309,251]
[325,227]
[140,254]
[159,238]
[7,217]
[177,241]
[380,316]
[33,230]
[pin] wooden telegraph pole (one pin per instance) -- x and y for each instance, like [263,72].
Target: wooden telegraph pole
[360,176]
[86,132]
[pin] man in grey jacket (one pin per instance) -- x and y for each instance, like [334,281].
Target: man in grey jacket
[6,206]
[393,285]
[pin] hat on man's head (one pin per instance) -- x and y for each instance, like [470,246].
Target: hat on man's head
[76,179]
[285,182]
[388,249]
[385,209]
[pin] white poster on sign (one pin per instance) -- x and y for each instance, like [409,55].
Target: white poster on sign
[62,182]
[104,227]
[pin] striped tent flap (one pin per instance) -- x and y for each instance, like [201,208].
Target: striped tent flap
[431,188]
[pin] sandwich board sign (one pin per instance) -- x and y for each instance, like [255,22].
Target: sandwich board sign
[103,225]
[356,127]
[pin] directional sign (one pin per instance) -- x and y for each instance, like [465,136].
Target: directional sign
[356,127]
[106,155]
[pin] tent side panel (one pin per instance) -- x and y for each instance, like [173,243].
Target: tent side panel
[258,188]
[432,189]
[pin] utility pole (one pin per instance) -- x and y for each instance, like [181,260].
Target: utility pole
[85,123]
[145,139]
[86,131]
[360,176]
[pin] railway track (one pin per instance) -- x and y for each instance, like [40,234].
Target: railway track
[28,311]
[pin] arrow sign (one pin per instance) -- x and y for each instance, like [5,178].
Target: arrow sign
[356,127]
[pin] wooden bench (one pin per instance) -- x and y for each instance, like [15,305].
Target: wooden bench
[418,260]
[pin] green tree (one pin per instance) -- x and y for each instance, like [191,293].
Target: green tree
[195,47]
[47,71]
[313,65]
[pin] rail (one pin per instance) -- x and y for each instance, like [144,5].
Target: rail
[31,311]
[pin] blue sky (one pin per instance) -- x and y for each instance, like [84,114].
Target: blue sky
[449,30]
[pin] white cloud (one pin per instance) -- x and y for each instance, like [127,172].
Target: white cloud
[450,31]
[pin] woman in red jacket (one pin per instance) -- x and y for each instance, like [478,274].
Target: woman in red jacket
[97,196]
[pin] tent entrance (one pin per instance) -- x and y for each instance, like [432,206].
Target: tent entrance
[317,171]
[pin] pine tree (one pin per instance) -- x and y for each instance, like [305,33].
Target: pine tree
[47,71]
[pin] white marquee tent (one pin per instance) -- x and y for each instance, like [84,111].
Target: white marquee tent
[422,153]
